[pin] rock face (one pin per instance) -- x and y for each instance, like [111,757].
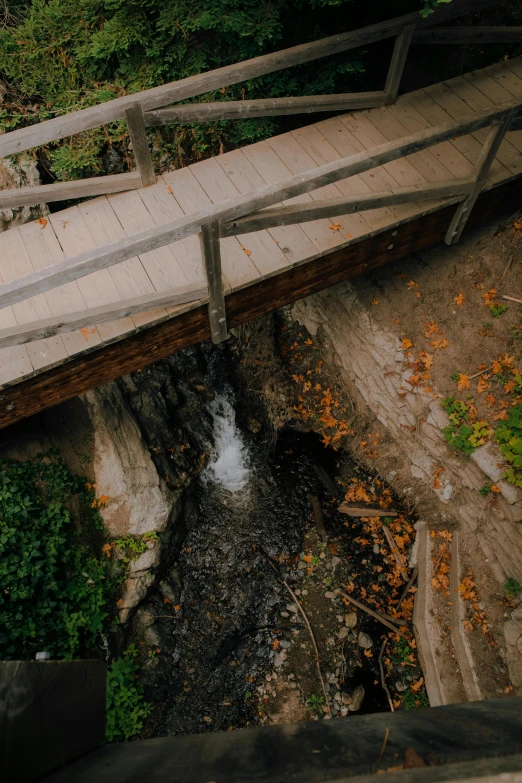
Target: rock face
[17,175]
[372,365]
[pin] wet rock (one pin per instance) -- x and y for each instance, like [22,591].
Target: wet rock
[346,698]
[401,686]
[329,595]
[364,641]
[337,696]
[335,561]
[344,711]
[357,699]
[279,659]
[350,620]
[376,549]
[342,633]
[292,608]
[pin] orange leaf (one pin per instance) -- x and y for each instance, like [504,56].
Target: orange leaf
[335,226]
[375,302]
[169,189]
[42,222]
[463,382]
[246,250]
[459,299]
[85,332]
[494,488]
[482,385]
[412,284]
[418,685]
[177,607]
[406,343]
[308,558]
[497,367]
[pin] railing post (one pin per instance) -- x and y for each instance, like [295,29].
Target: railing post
[140,144]
[398,61]
[480,173]
[211,253]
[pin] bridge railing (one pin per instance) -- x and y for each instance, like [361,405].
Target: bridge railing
[256,211]
[145,108]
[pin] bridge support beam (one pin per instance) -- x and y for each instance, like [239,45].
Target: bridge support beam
[211,253]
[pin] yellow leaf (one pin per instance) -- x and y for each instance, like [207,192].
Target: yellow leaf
[375,302]
[406,343]
[463,382]
[482,385]
[412,284]
[335,226]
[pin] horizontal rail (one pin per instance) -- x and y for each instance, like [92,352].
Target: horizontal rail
[232,209]
[516,124]
[464,35]
[85,119]
[70,322]
[61,191]
[264,107]
[315,210]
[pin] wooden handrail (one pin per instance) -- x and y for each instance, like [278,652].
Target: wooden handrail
[85,119]
[467,35]
[232,209]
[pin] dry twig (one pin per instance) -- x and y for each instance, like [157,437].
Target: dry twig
[397,555]
[383,678]
[481,372]
[374,614]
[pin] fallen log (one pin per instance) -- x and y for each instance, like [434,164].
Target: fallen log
[358,511]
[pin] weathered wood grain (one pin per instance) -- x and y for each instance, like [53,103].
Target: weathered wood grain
[398,61]
[264,107]
[61,191]
[85,119]
[465,35]
[487,156]
[140,144]
[69,322]
[303,213]
[148,346]
[101,258]
[211,253]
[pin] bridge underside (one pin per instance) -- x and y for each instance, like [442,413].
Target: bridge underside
[263,270]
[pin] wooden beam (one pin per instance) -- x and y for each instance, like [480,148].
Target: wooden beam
[265,107]
[61,191]
[70,322]
[231,209]
[468,35]
[486,158]
[150,345]
[85,119]
[516,124]
[211,252]
[398,61]
[140,145]
[315,210]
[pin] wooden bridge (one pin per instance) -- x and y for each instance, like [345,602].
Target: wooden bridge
[156,263]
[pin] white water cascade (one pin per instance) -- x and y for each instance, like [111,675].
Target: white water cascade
[228,466]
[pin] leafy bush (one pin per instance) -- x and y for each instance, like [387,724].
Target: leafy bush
[55,584]
[512,588]
[460,433]
[126,709]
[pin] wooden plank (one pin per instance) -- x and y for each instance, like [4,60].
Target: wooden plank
[468,35]
[16,261]
[191,197]
[259,248]
[398,61]
[73,234]
[94,260]
[61,191]
[263,107]
[149,345]
[210,250]
[45,251]
[14,362]
[44,328]
[302,213]
[140,144]
[289,149]
[487,156]
[292,240]
[85,119]
[498,84]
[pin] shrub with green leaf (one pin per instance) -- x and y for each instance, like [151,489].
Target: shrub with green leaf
[460,433]
[509,437]
[126,709]
[55,580]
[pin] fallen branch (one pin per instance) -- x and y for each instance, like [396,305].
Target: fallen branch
[381,754]
[481,372]
[408,587]
[374,614]
[512,299]
[397,555]
[508,267]
[357,511]
[318,516]
[312,635]
[383,677]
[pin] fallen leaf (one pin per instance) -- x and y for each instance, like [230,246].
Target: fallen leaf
[335,226]
[375,302]
[482,385]
[177,607]
[459,299]
[412,759]
[169,189]
[418,685]
[406,343]
[463,382]
[246,250]
[85,332]
[42,222]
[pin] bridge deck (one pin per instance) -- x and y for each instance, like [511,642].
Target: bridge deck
[249,258]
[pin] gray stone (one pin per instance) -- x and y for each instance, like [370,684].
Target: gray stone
[350,620]
[346,698]
[512,631]
[329,595]
[357,699]
[342,633]
[292,608]
[401,686]
[335,561]
[364,641]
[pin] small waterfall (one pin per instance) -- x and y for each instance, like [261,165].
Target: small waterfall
[228,466]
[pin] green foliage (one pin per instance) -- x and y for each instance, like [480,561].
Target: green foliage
[126,710]
[134,546]
[509,437]
[55,582]
[401,652]
[461,434]
[485,490]
[496,310]
[429,6]
[512,587]
[315,703]
[415,701]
